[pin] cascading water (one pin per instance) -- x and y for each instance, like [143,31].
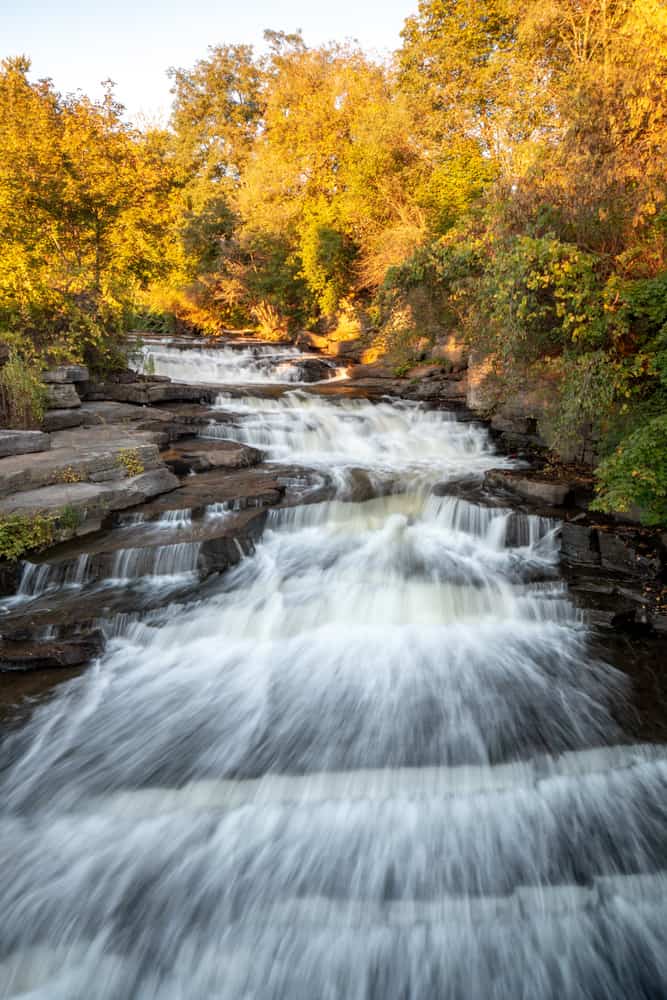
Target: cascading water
[175,559]
[232,365]
[377,762]
[41,578]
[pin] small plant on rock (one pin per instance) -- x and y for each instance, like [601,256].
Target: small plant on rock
[130,460]
[69,475]
[69,518]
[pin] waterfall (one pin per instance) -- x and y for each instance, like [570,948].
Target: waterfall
[174,559]
[232,365]
[40,578]
[377,759]
[406,444]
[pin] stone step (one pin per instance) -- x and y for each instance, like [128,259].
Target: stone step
[373,785]
[61,420]
[18,442]
[129,555]
[150,392]
[73,459]
[93,501]
[197,455]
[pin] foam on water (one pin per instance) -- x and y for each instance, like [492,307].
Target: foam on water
[227,365]
[375,762]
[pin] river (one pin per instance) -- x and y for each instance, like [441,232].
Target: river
[376,760]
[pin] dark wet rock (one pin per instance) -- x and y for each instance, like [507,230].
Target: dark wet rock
[62,396]
[22,442]
[641,658]
[66,373]
[474,490]
[314,369]
[628,555]
[579,544]
[219,554]
[242,489]
[49,654]
[10,572]
[607,605]
[360,486]
[552,493]
[200,455]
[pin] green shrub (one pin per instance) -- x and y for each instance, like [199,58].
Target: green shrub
[20,534]
[69,518]
[22,395]
[538,297]
[636,474]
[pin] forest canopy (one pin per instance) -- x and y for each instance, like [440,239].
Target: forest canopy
[503,179]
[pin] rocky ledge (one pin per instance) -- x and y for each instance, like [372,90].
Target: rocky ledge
[616,572]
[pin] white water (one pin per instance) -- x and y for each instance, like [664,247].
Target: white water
[371,765]
[41,578]
[390,442]
[227,365]
[175,559]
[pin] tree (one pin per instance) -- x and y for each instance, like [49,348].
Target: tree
[86,207]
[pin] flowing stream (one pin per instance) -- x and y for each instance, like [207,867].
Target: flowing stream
[238,365]
[376,761]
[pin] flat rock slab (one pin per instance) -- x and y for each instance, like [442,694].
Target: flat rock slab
[61,420]
[23,442]
[74,459]
[104,412]
[150,392]
[66,373]
[199,455]
[552,493]
[92,501]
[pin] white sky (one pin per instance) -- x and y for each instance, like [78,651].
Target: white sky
[78,44]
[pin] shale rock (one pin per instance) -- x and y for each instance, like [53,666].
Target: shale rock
[62,396]
[23,442]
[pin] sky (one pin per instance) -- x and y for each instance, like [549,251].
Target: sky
[78,44]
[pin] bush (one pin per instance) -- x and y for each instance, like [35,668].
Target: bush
[20,534]
[636,474]
[538,297]
[22,395]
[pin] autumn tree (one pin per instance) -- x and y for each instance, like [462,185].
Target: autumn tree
[85,207]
